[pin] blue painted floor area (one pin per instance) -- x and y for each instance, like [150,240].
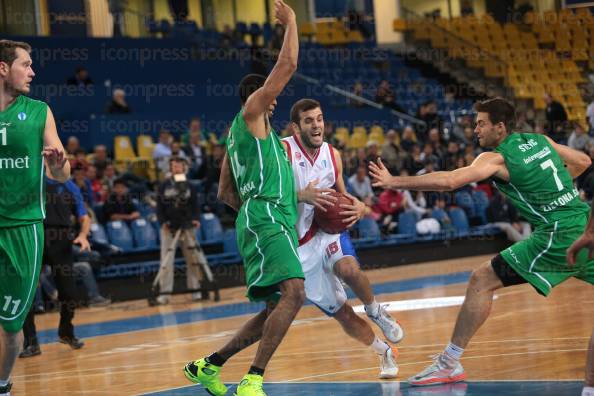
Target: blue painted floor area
[230,310]
[544,388]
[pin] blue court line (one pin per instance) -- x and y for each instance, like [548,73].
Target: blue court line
[230,310]
[396,388]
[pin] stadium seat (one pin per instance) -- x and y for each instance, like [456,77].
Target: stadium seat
[369,233]
[144,235]
[481,203]
[230,242]
[459,221]
[407,229]
[119,235]
[464,200]
[98,234]
[212,230]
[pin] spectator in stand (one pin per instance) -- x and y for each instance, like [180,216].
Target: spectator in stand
[118,104]
[176,150]
[372,150]
[590,116]
[468,137]
[450,159]
[428,155]
[110,175]
[357,90]
[504,215]
[428,167]
[427,112]
[195,151]
[100,159]
[579,139]
[72,144]
[390,204]
[360,158]
[392,155]
[81,78]
[522,124]
[80,156]
[213,174]
[97,195]
[459,128]
[409,139]
[390,103]
[360,185]
[556,119]
[119,205]
[195,127]
[79,176]
[413,163]
[162,151]
[383,91]
[434,139]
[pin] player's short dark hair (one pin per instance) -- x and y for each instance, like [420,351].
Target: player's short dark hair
[499,110]
[8,50]
[302,105]
[177,158]
[250,84]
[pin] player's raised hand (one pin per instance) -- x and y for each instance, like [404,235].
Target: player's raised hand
[317,197]
[54,157]
[283,13]
[585,241]
[355,211]
[380,175]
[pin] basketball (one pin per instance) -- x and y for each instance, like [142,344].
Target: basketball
[331,220]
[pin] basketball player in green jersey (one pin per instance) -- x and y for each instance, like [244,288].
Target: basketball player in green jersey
[265,224]
[586,240]
[536,174]
[27,135]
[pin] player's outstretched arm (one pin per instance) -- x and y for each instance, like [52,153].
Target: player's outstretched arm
[227,192]
[283,70]
[577,161]
[483,167]
[57,165]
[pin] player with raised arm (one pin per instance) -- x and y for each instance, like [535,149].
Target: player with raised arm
[256,166]
[536,174]
[329,259]
[28,135]
[585,241]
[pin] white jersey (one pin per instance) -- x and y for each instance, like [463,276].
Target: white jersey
[307,169]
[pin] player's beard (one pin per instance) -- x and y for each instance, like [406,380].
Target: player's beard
[11,90]
[307,141]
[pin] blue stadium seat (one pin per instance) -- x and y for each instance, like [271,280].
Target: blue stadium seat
[212,230]
[369,233]
[119,234]
[144,235]
[464,200]
[407,229]
[481,203]
[98,234]
[459,221]
[230,242]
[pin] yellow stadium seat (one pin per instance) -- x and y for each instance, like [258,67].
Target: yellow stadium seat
[400,25]
[145,146]
[357,141]
[123,150]
[359,130]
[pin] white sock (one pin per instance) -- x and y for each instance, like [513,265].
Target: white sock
[4,382]
[372,309]
[454,351]
[379,346]
[588,391]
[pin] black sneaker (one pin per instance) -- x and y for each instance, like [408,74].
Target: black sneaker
[74,342]
[29,351]
[5,390]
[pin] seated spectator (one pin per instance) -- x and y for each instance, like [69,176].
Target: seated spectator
[195,127]
[119,204]
[579,139]
[434,139]
[81,78]
[414,201]
[390,103]
[99,159]
[383,91]
[97,194]
[118,104]
[72,144]
[413,163]
[359,159]
[80,156]
[392,155]
[522,124]
[505,216]
[195,151]
[390,204]
[556,119]
[360,185]
[450,159]
[428,167]
[372,150]
[427,112]
[409,139]
[110,175]
[357,90]
[428,154]
[162,151]
[79,176]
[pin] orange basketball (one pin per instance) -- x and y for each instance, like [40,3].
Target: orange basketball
[331,220]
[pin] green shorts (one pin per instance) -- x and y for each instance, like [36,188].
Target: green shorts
[268,247]
[541,259]
[21,251]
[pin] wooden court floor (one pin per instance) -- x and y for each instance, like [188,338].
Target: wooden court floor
[133,349]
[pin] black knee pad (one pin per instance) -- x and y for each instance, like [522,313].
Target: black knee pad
[507,275]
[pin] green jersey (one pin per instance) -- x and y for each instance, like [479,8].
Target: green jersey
[22,195]
[261,170]
[540,186]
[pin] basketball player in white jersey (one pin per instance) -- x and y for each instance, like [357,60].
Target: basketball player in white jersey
[328,259]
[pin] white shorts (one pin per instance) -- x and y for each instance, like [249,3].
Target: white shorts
[318,256]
